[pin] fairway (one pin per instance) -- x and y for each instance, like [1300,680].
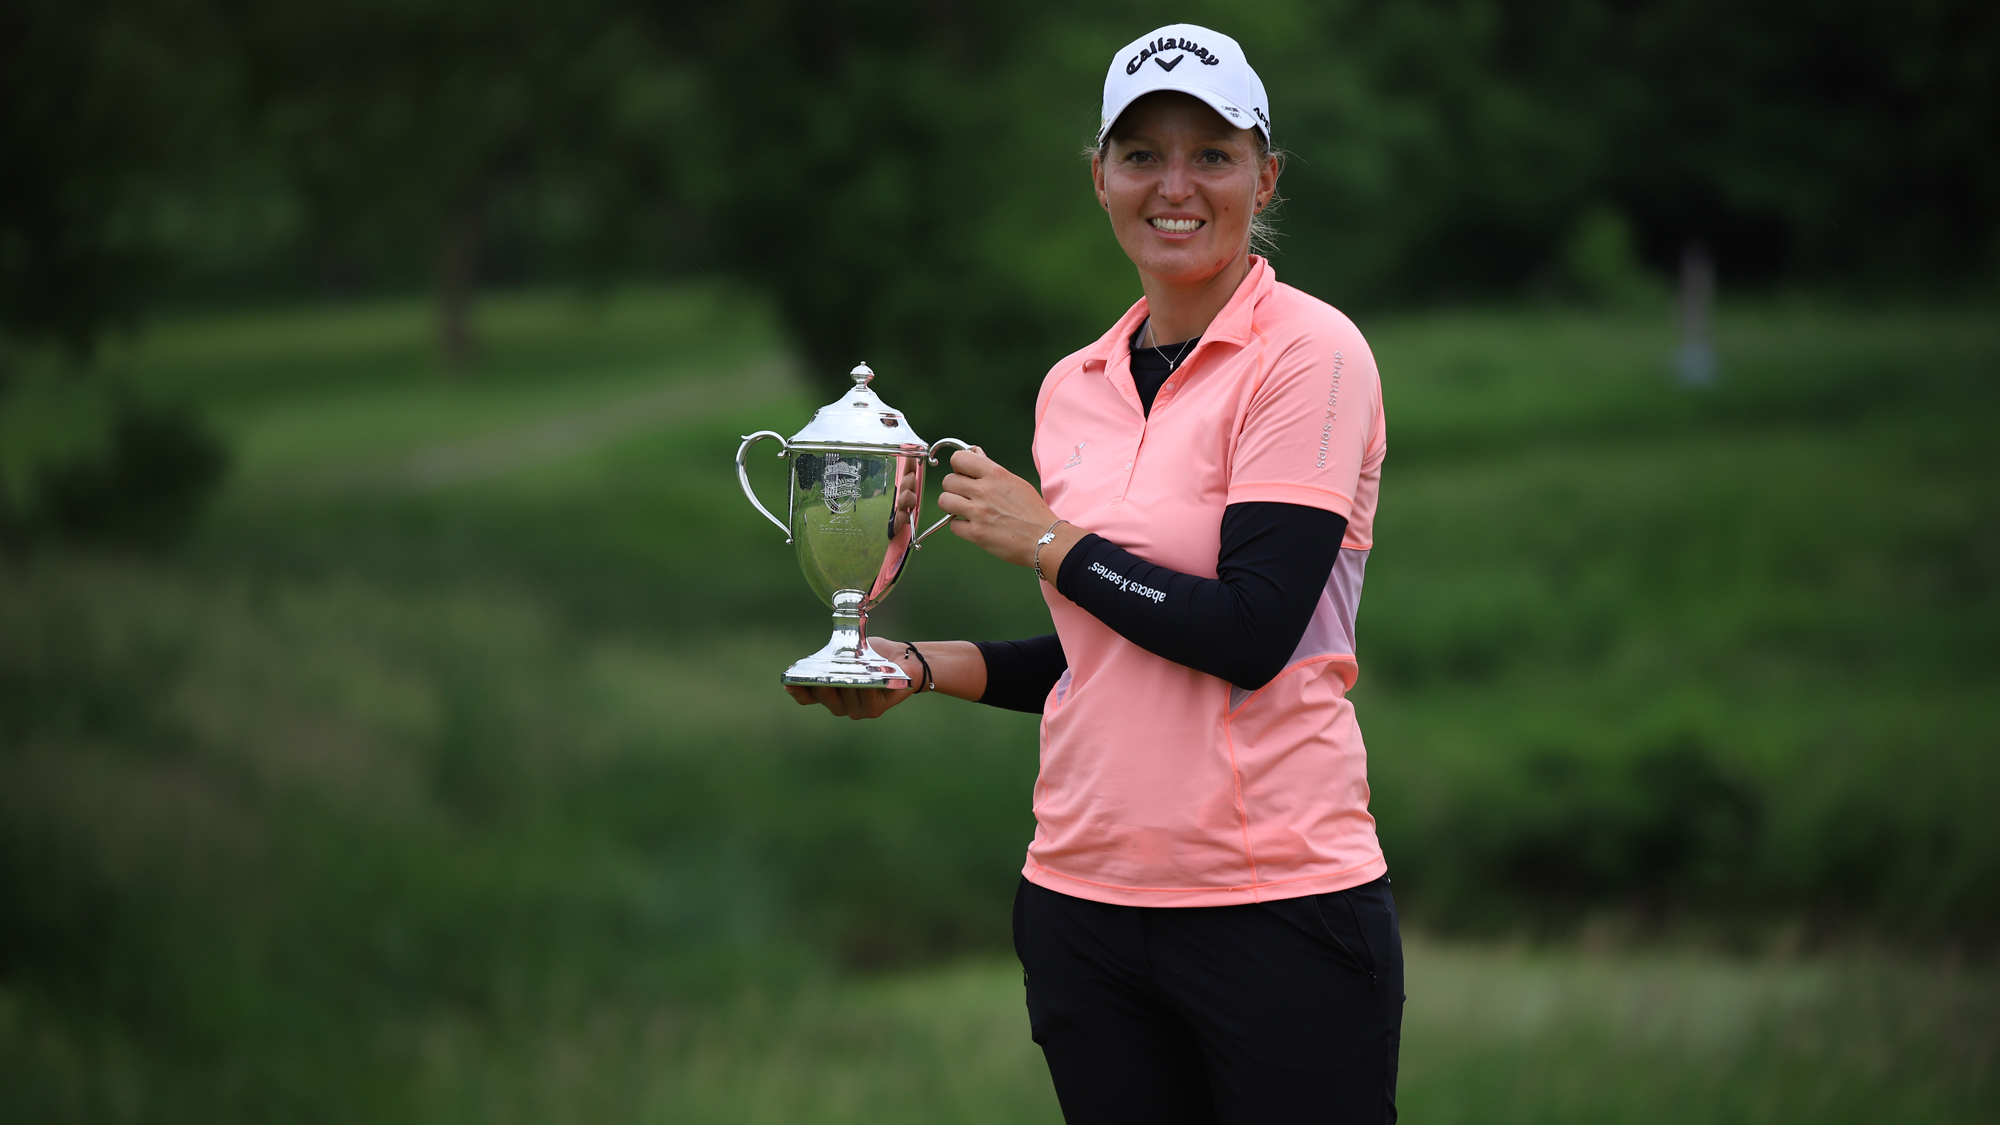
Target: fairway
[1492,1035]
[443,774]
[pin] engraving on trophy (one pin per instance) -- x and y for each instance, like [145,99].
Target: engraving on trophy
[843,485]
[853,520]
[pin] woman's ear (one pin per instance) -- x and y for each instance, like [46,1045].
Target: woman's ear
[1267,185]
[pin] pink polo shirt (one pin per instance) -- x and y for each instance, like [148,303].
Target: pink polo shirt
[1160,785]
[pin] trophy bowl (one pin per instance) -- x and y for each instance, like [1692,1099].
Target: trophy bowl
[856,480]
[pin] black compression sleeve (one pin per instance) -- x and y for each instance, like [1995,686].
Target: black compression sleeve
[1241,625]
[1019,674]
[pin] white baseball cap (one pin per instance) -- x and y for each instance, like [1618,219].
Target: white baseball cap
[1193,60]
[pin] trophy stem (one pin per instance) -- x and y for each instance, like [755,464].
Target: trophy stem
[846,661]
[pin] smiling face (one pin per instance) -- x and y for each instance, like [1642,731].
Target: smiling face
[1181,185]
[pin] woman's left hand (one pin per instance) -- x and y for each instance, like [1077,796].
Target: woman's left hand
[863,703]
[1000,512]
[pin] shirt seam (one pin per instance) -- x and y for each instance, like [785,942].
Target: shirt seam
[1252,887]
[1242,810]
[1262,372]
[1322,658]
[1041,746]
[1049,399]
[1234,485]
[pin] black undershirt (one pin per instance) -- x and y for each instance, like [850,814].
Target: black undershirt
[1151,366]
[1240,626]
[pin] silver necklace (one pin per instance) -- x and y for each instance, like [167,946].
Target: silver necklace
[1174,363]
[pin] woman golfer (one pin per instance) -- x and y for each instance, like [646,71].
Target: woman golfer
[1204,916]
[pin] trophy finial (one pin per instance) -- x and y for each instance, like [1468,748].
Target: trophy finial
[862,373]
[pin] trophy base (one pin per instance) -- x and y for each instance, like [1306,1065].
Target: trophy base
[857,675]
[841,665]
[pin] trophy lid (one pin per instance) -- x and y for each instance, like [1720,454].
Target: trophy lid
[859,417]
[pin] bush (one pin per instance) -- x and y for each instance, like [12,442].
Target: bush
[144,491]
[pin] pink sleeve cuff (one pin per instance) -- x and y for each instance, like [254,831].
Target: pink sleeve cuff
[1284,492]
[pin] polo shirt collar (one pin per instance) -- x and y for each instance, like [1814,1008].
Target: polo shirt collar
[1231,325]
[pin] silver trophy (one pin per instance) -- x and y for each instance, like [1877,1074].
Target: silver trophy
[847,466]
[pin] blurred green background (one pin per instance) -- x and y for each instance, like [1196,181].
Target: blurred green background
[388,728]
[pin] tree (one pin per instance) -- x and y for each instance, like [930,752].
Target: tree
[403,124]
[904,179]
[101,101]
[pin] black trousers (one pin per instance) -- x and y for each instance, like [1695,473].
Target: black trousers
[1286,1011]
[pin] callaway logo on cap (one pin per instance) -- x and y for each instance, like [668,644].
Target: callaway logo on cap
[1193,60]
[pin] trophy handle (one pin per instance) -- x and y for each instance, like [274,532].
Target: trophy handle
[932,455]
[743,474]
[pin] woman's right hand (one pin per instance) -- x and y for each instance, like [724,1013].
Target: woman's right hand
[995,509]
[863,703]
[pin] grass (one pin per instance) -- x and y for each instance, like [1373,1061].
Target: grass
[1689,650]
[1492,1034]
[1500,1035]
[442,774]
